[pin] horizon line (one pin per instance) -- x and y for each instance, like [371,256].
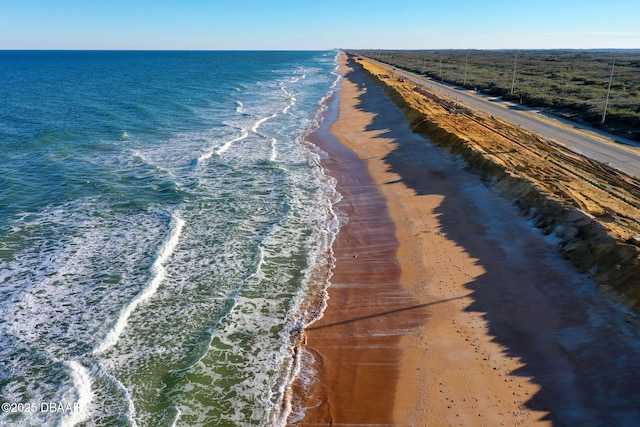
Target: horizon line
[312,50]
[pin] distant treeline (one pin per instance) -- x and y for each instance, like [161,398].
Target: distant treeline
[569,83]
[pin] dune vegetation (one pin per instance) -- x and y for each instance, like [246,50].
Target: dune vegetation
[569,83]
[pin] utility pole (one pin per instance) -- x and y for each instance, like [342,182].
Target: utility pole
[513,80]
[441,76]
[464,81]
[606,101]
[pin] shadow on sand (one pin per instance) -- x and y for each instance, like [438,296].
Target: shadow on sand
[573,343]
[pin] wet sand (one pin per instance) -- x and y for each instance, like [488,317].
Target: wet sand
[446,307]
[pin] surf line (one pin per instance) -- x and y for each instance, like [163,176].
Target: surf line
[82,384]
[159,273]
[244,135]
[225,147]
[289,95]
[255,127]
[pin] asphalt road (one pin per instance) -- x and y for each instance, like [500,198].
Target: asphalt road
[582,140]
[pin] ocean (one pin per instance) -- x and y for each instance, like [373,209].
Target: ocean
[165,234]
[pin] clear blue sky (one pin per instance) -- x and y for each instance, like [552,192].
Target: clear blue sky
[318,24]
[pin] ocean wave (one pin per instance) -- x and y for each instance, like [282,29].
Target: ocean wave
[172,286]
[158,271]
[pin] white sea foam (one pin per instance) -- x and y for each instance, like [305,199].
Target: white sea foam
[290,96]
[131,409]
[236,300]
[274,152]
[158,270]
[227,145]
[174,423]
[82,384]
[260,122]
[48,286]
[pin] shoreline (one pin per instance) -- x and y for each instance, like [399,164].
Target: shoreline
[367,238]
[467,316]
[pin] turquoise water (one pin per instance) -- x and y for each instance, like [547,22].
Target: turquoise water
[163,225]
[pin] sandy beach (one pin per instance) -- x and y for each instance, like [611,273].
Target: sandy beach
[446,307]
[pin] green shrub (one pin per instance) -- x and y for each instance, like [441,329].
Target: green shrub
[569,82]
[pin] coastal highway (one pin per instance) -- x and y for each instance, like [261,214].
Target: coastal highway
[582,140]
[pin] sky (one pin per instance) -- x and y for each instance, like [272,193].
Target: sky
[318,24]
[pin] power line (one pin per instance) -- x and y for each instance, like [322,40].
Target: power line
[606,101]
[513,81]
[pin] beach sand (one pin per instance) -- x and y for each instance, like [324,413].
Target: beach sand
[445,306]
